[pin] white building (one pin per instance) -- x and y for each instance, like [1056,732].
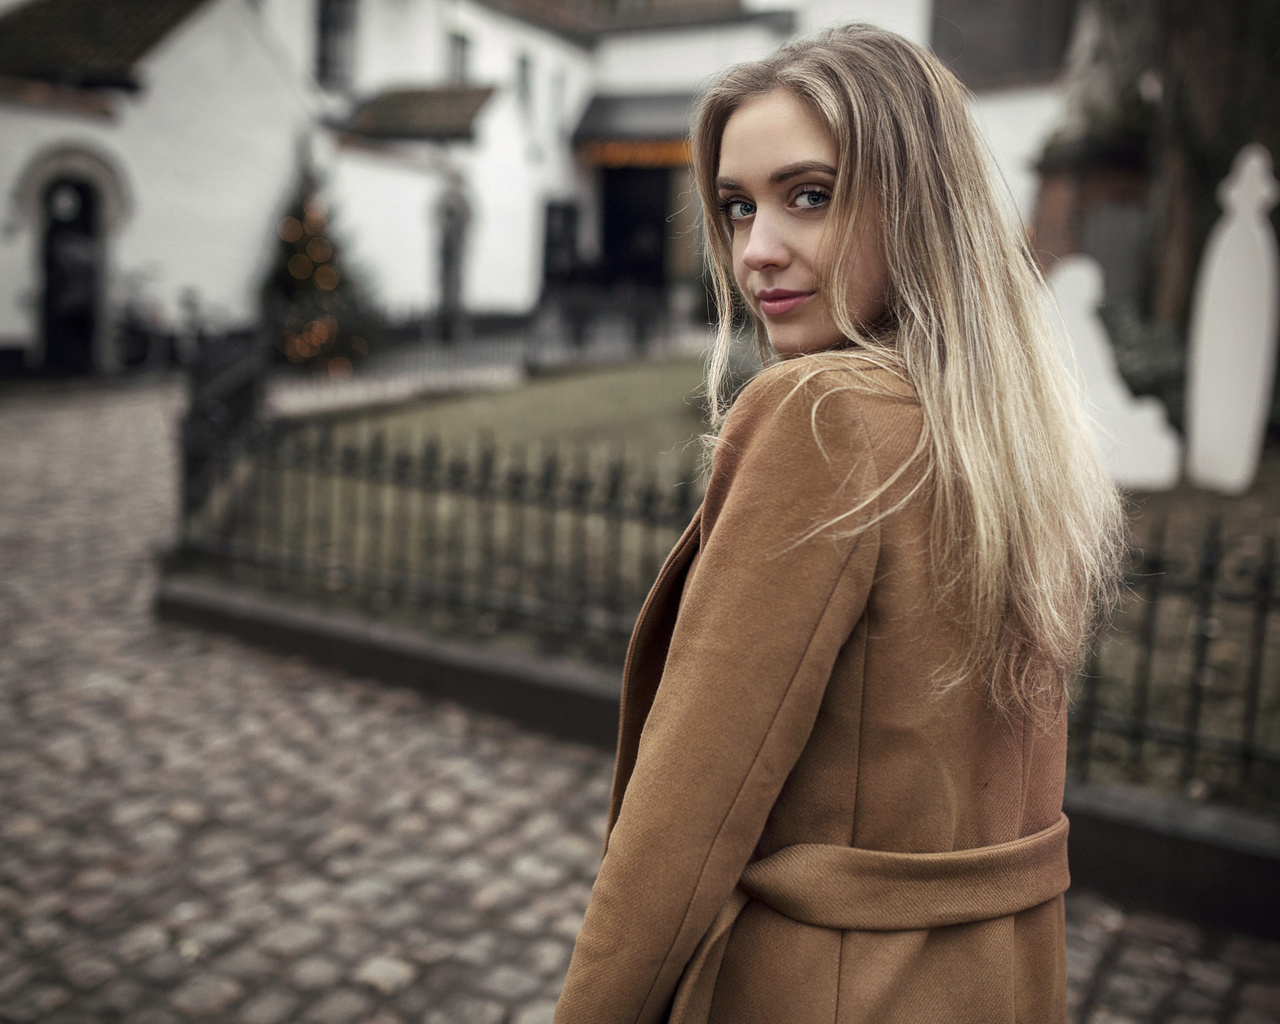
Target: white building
[134,167]
[470,151]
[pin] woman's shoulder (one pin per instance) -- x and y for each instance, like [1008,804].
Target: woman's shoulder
[816,435]
[839,384]
[819,416]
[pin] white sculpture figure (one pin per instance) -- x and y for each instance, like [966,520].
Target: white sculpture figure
[1140,449]
[1233,331]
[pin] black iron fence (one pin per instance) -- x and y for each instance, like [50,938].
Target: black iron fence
[1183,689]
[553,548]
[558,550]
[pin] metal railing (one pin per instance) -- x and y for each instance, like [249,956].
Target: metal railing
[550,546]
[1183,689]
[555,549]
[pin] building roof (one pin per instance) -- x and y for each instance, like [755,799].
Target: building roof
[635,117]
[85,43]
[587,20]
[666,16]
[570,17]
[440,114]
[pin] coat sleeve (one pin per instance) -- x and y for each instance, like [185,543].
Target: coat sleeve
[761,623]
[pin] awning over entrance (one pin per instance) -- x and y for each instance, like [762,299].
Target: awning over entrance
[635,131]
[437,114]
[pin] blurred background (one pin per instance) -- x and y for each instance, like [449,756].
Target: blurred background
[439,172]
[370,332]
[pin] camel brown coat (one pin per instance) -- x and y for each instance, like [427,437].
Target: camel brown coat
[803,827]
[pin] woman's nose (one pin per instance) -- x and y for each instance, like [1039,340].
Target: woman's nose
[766,244]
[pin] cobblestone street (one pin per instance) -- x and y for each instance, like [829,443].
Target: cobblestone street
[192,829]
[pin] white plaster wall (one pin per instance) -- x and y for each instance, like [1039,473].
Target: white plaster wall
[520,159]
[906,17]
[504,244]
[291,26]
[207,157]
[523,156]
[1016,124]
[540,136]
[386,211]
[383,211]
[216,160]
[398,42]
[676,60]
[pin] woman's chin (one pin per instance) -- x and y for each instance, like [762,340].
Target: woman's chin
[788,344]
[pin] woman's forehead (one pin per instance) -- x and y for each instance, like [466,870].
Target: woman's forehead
[772,131]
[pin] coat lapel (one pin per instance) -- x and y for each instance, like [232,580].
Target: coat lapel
[646,656]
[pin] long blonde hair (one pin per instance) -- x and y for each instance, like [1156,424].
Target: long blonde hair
[1027,529]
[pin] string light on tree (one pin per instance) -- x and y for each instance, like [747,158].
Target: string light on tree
[316,311]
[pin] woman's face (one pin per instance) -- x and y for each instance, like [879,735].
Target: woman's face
[775,180]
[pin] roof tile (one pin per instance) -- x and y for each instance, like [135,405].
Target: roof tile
[445,112]
[91,43]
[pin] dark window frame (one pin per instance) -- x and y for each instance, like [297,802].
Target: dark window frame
[335,43]
[524,81]
[459,57]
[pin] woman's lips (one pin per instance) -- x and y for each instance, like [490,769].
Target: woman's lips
[778,302]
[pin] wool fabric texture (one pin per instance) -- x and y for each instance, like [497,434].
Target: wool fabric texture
[804,827]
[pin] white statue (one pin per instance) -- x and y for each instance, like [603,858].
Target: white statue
[1232,343]
[1141,451]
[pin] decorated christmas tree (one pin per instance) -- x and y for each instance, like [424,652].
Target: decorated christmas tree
[314,307]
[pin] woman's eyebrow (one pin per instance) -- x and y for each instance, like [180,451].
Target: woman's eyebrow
[781,174]
[803,167]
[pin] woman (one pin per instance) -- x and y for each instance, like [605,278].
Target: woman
[840,767]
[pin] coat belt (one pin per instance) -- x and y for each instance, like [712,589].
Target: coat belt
[874,890]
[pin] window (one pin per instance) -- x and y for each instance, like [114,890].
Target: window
[993,43]
[558,101]
[459,57]
[334,42]
[524,83]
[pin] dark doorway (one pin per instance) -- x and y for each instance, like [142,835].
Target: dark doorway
[635,224]
[72,272]
[560,244]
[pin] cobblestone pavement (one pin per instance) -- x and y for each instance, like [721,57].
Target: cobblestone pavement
[191,829]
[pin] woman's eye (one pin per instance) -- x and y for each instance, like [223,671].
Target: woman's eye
[737,209]
[812,198]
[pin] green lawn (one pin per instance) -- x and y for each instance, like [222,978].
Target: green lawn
[647,413]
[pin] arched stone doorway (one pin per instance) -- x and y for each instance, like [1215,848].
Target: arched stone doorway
[71,261]
[72,199]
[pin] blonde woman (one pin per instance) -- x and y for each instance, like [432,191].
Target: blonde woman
[838,794]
